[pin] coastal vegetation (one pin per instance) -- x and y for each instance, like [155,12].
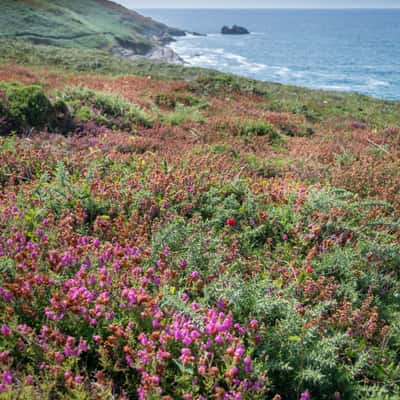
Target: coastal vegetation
[176,233]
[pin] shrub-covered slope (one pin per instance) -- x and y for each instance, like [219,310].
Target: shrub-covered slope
[76,23]
[205,238]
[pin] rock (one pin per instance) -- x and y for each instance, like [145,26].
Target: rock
[198,34]
[158,54]
[235,30]
[165,54]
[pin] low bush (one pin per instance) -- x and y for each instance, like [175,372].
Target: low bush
[25,106]
[171,100]
[105,109]
[182,114]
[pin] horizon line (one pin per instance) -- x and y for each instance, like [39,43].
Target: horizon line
[268,8]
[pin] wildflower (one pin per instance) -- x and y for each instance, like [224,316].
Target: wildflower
[254,324]
[195,275]
[5,330]
[4,355]
[7,378]
[305,395]
[185,297]
[233,371]
[239,351]
[231,222]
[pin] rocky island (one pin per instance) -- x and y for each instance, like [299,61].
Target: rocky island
[235,30]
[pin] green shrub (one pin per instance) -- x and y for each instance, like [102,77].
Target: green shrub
[84,114]
[115,112]
[183,114]
[171,100]
[25,106]
[258,128]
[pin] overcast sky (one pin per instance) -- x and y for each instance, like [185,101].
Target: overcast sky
[260,3]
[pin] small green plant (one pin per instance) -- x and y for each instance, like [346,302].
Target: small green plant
[183,114]
[171,100]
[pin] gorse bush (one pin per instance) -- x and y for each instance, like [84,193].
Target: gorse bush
[25,107]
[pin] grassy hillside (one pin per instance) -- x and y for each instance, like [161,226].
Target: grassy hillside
[176,233]
[85,24]
[316,105]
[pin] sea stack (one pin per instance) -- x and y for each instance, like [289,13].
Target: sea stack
[235,30]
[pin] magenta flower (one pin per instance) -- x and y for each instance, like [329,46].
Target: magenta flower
[7,378]
[195,275]
[5,330]
[305,395]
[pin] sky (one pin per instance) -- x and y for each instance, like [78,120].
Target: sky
[260,3]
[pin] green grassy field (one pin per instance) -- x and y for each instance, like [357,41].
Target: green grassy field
[79,24]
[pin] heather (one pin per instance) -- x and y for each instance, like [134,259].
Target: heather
[200,238]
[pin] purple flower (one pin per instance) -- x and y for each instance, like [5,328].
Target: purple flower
[7,378]
[305,395]
[5,330]
[195,275]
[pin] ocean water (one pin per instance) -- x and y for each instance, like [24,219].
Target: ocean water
[344,50]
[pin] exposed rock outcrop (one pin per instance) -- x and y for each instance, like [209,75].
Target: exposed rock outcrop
[235,30]
[159,54]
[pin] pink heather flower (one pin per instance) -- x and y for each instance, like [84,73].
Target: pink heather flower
[59,357]
[78,379]
[219,339]
[29,380]
[254,324]
[129,361]
[233,371]
[202,370]
[247,360]
[7,378]
[239,351]
[185,297]
[195,275]
[3,388]
[305,395]
[156,324]
[184,263]
[4,355]
[5,330]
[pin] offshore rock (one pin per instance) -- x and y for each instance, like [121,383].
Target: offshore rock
[235,30]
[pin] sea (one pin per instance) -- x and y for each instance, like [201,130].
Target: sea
[350,50]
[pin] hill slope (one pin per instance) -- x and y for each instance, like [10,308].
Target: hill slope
[99,24]
[188,234]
